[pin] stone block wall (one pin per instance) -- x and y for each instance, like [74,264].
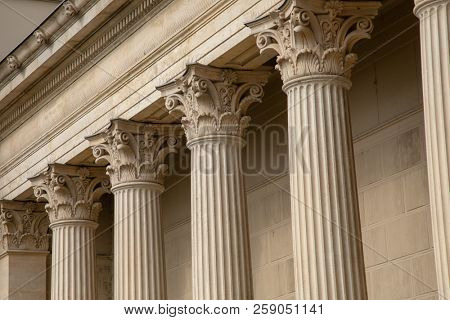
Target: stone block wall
[271,240]
[387,120]
[395,212]
[177,238]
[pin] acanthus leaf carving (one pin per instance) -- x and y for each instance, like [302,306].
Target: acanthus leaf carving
[71,192]
[136,151]
[213,101]
[23,226]
[312,39]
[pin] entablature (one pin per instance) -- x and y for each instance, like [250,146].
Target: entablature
[122,83]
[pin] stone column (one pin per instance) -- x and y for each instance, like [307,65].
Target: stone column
[313,41]
[434,18]
[213,103]
[73,195]
[23,250]
[136,152]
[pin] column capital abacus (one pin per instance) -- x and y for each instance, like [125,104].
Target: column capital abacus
[315,37]
[72,192]
[214,101]
[23,226]
[135,151]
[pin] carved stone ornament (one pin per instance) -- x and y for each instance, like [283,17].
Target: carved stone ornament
[69,9]
[40,37]
[23,226]
[315,37]
[136,151]
[72,192]
[214,101]
[13,62]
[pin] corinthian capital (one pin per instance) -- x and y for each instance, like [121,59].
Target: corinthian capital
[23,226]
[135,151]
[214,101]
[315,37]
[71,192]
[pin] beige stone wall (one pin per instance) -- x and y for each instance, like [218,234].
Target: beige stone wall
[271,240]
[4,275]
[23,276]
[177,242]
[395,213]
[266,165]
[104,249]
[391,174]
[177,238]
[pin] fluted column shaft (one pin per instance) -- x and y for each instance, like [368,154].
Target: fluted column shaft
[220,242]
[138,247]
[73,260]
[434,36]
[324,204]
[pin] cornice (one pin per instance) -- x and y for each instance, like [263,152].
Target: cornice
[108,38]
[62,16]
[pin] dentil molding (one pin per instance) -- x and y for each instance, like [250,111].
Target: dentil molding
[315,37]
[23,226]
[214,101]
[71,192]
[135,151]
